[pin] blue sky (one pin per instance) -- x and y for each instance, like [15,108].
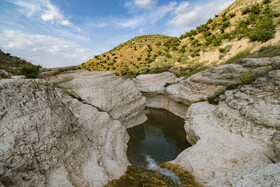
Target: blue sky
[68,32]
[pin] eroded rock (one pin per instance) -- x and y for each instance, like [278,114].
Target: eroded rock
[217,78]
[153,87]
[108,92]
[4,74]
[237,140]
[49,138]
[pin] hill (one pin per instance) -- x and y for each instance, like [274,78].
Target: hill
[246,28]
[13,64]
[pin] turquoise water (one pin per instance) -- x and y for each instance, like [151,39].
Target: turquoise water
[161,138]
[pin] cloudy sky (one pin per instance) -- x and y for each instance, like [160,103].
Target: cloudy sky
[68,32]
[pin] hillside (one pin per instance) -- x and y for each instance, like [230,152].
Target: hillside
[246,28]
[13,64]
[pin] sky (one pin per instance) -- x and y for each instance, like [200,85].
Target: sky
[55,33]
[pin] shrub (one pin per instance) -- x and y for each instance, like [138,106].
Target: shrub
[214,100]
[246,11]
[225,25]
[217,42]
[202,28]
[266,1]
[30,72]
[245,79]
[168,55]
[222,50]
[264,30]
[255,9]
[207,33]
[232,15]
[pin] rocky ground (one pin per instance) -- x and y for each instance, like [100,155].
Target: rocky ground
[237,141]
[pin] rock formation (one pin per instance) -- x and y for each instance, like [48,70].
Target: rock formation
[49,138]
[108,92]
[237,141]
[165,91]
[153,87]
[4,74]
[217,78]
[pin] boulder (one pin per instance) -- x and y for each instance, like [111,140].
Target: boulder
[4,74]
[49,138]
[106,91]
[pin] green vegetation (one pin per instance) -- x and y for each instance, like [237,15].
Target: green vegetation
[243,54]
[17,66]
[259,24]
[30,72]
[268,51]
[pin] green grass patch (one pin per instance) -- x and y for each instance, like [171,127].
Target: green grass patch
[243,54]
[268,51]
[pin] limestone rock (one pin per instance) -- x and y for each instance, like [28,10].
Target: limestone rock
[4,74]
[153,87]
[235,142]
[155,83]
[49,138]
[108,92]
[217,78]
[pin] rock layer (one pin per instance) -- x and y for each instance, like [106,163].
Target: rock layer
[217,78]
[49,138]
[108,92]
[165,91]
[153,87]
[237,141]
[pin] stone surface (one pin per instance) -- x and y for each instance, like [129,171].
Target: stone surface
[165,91]
[153,87]
[49,138]
[108,92]
[217,78]
[155,83]
[235,142]
[4,74]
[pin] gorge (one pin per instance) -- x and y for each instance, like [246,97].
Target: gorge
[71,128]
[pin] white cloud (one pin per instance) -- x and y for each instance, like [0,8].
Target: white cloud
[145,4]
[45,50]
[44,8]
[147,18]
[189,16]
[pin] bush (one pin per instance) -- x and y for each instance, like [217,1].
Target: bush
[202,28]
[214,100]
[264,30]
[30,72]
[232,15]
[222,50]
[246,11]
[266,1]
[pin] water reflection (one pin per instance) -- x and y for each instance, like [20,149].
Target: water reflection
[162,137]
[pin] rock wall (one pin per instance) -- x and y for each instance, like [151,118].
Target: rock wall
[237,141]
[106,91]
[153,87]
[165,91]
[50,139]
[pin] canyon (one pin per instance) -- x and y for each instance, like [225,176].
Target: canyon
[70,128]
